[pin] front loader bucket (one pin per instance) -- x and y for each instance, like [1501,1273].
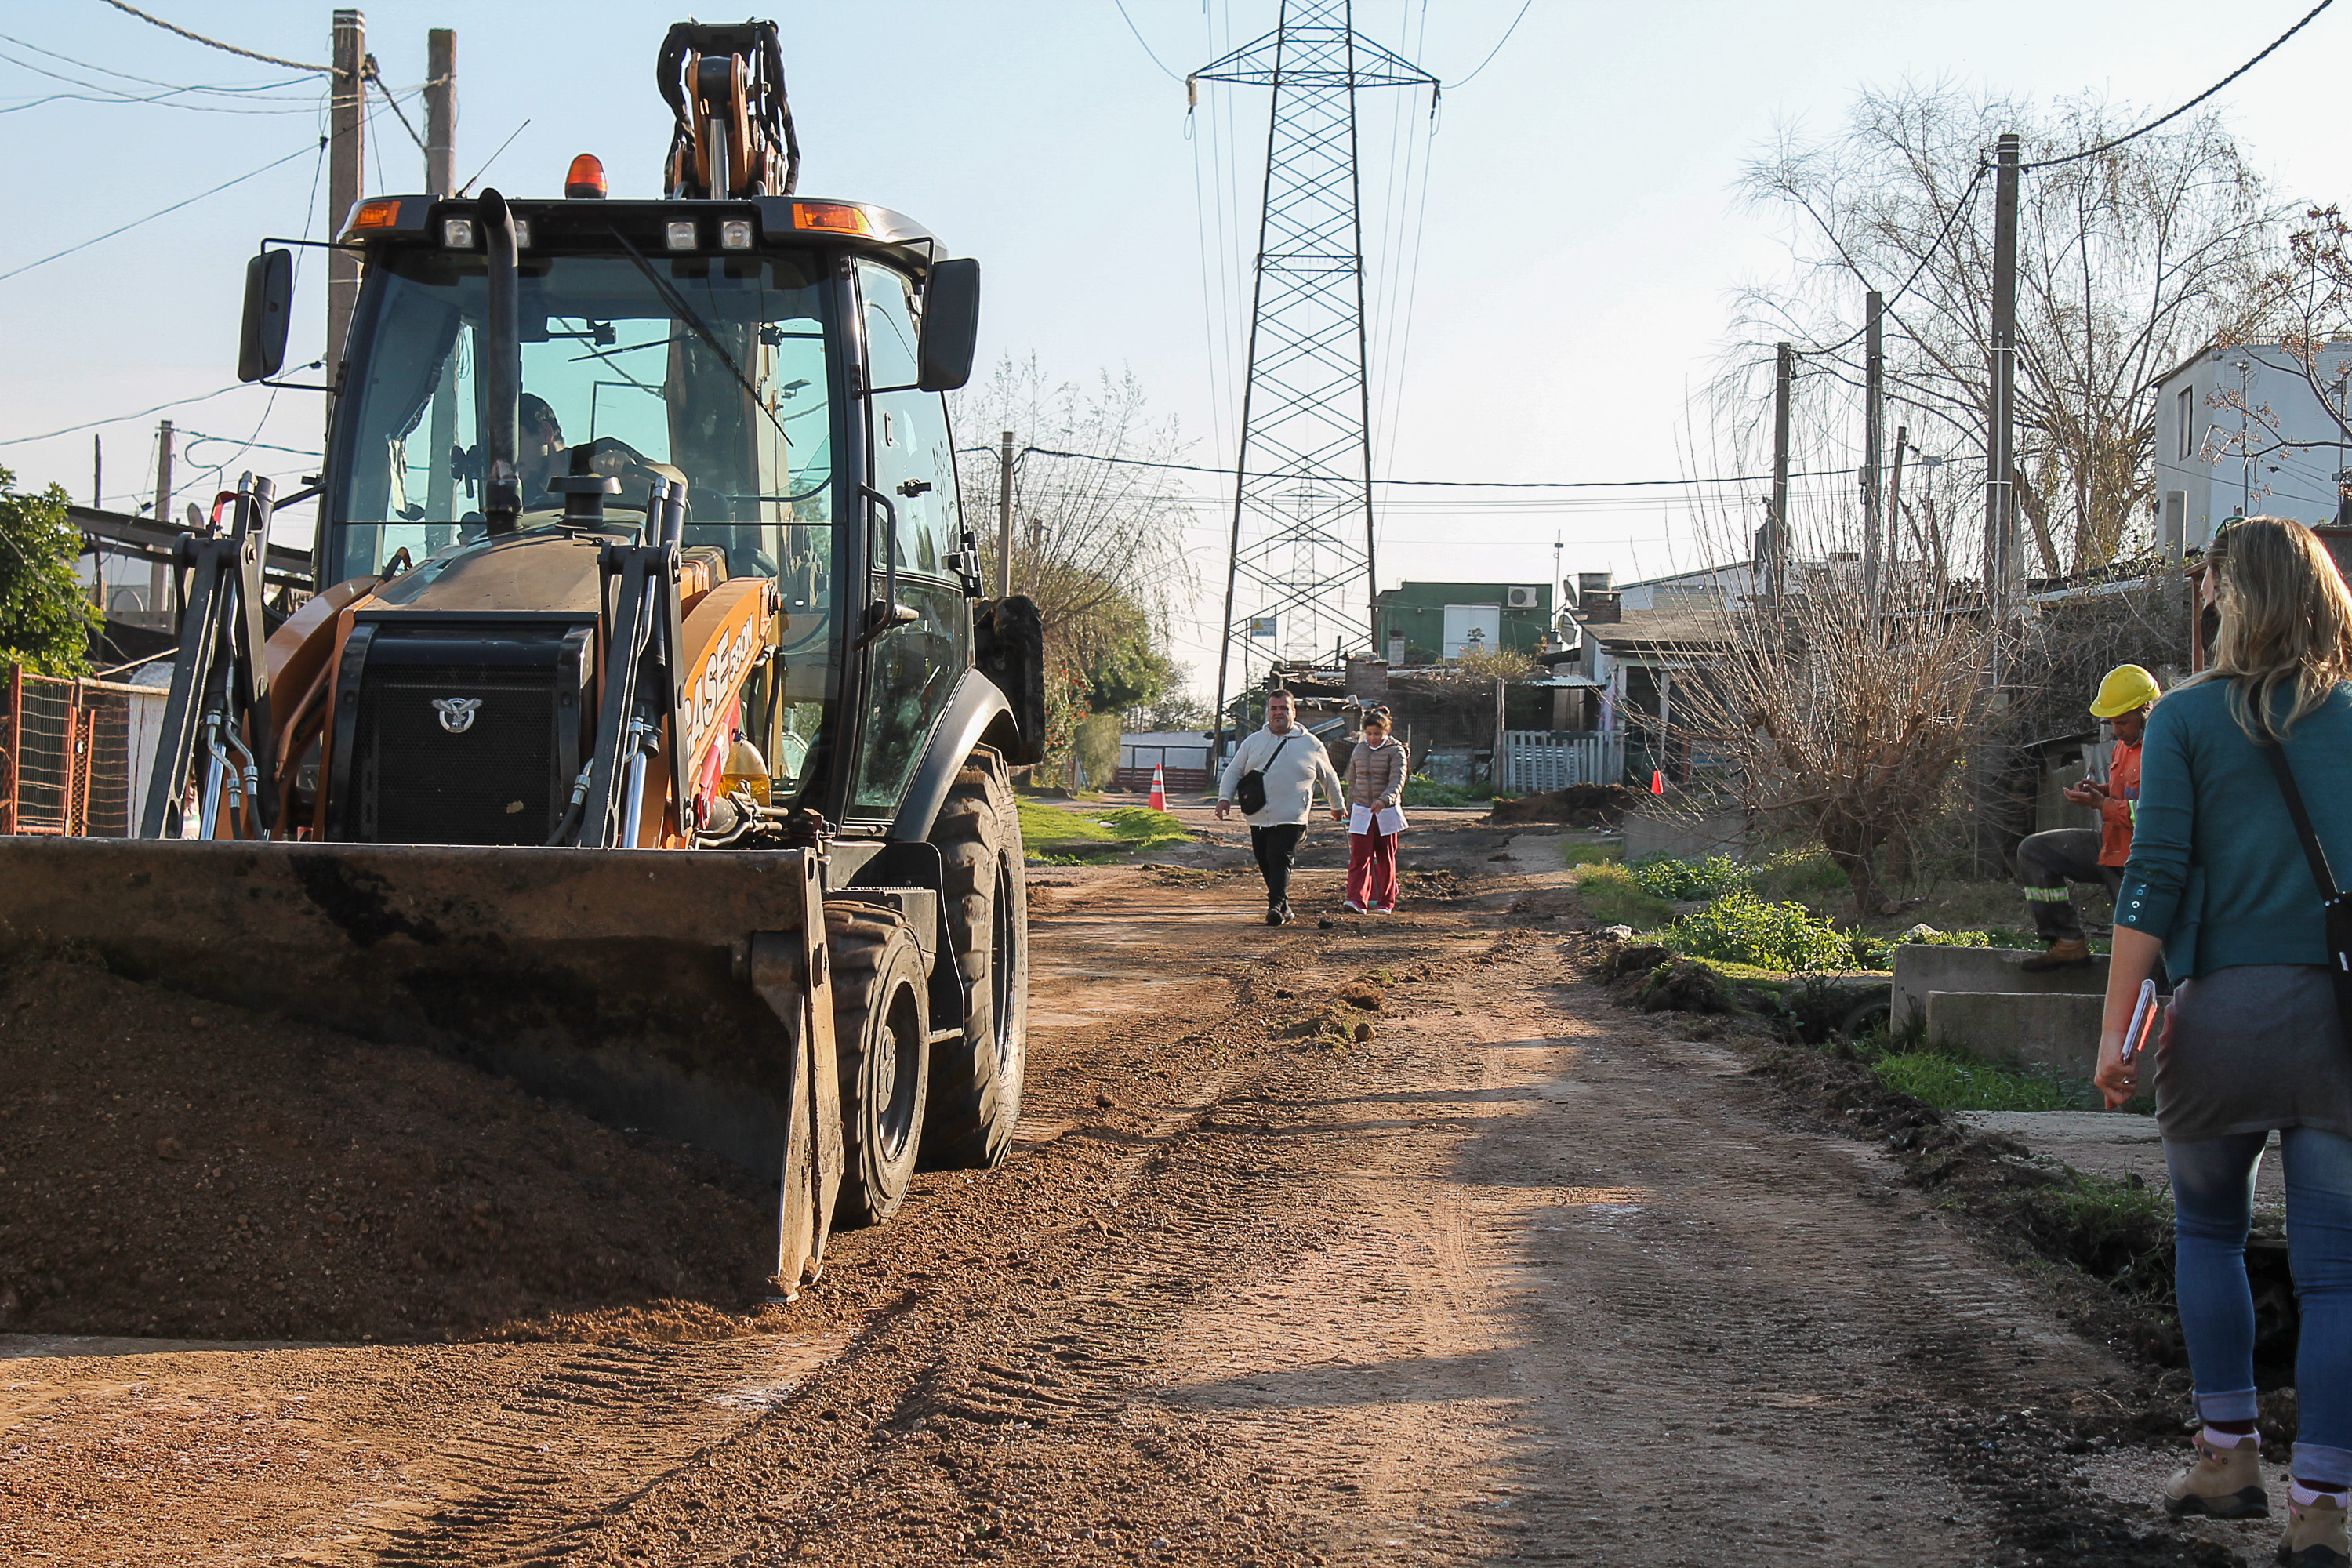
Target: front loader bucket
[677,993]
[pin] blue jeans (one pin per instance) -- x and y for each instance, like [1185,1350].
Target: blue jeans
[2213,1205]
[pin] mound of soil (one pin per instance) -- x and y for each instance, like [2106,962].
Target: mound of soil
[174,1167]
[1579,805]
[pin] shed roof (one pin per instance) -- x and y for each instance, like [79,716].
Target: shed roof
[1668,628]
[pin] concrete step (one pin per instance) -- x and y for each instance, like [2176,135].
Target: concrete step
[2058,1030]
[1920,968]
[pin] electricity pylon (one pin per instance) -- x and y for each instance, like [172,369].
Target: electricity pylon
[1301,575]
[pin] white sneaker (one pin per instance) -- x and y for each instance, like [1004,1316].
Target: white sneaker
[1354,908]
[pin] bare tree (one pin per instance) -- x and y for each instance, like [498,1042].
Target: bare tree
[2127,262]
[2310,318]
[1840,726]
[1097,539]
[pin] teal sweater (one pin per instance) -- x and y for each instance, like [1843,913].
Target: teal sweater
[2216,873]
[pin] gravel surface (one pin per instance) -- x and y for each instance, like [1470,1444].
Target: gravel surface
[1520,1276]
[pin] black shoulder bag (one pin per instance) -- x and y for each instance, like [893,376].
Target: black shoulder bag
[2336,903]
[1249,790]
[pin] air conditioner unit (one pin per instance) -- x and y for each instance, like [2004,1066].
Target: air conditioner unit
[1524,598]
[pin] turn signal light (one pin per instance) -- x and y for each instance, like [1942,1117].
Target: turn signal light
[382,213]
[586,180]
[831,217]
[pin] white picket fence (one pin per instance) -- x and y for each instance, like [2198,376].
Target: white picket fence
[1538,760]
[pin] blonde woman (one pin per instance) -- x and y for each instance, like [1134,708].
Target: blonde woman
[2219,887]
[1376,772]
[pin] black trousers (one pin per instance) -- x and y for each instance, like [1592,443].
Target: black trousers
[2047,862]
[1275,847]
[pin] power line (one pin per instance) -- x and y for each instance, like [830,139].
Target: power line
[1497,49]
[150,218]
[375,75]
[120,418]
[216,44]
[2129,135]
[1131,27]
[142,80]
[1434,484]
[1960,209]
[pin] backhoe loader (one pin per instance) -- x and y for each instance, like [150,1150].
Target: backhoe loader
[648,739]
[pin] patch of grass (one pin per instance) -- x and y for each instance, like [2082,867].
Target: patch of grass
[1144,828]
[1811,878]
[1127,827]
[1422,790]
[1614,898]
[1583,852]
[1948,1082]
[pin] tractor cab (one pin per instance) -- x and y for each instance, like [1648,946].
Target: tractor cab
[769,357]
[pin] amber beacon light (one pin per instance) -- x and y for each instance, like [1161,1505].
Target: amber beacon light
[586,179]
[830,217]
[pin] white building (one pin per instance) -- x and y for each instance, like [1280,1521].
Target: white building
[1707,588]
[2210,416]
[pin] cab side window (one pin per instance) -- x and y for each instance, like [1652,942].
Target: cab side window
[906,432]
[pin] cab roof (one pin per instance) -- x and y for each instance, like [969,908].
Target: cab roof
[571,223]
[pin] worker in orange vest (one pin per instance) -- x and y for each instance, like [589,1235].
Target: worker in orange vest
[2048,861]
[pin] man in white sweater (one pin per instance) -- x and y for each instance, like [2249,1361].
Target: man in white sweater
[1292,762]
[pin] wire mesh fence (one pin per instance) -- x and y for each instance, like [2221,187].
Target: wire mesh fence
[69,754]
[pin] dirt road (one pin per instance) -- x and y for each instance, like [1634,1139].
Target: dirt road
[1521,1277]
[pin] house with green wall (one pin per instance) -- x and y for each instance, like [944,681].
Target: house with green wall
[1427,623]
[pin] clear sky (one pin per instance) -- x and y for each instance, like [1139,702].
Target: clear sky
[1566,284]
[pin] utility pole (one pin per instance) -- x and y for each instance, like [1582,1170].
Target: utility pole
[97,473]
[159,575]
[1895,492]
[1776,542]
[440,112]
[346,129]
[2001,502]
[1874,423]
[440,179]
[1990,762]
[1004,514]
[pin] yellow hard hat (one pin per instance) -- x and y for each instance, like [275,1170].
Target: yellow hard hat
[2126,687]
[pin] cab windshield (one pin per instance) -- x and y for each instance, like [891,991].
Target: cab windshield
[713,368]
[709,367]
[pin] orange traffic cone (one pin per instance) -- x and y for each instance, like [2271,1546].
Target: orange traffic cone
[1159,801]
[1657,781]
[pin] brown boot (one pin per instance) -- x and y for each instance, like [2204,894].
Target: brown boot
[2314,1531]
[2062,954]
[2224,1482]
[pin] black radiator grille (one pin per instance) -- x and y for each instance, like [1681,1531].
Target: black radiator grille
[495,781]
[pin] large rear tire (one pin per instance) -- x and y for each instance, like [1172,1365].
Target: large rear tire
[976,1081]
[881,1017]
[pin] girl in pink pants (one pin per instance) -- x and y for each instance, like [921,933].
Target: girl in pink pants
[1376,774]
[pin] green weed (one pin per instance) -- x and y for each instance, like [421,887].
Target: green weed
[1744,929]
[1584,852]
[1610,891]
[1680,880]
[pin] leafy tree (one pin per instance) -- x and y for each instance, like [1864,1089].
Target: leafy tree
[45,616]
[1128,667]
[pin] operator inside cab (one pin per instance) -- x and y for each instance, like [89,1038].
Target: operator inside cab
[541,454]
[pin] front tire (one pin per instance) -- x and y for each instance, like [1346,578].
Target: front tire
[976,1081]
[882,1019]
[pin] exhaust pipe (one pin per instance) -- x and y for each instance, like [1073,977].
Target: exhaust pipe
[502,495]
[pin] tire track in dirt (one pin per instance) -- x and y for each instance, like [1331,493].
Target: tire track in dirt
[1520,1279]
